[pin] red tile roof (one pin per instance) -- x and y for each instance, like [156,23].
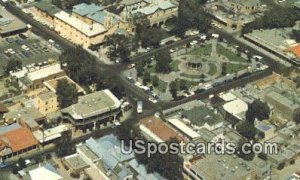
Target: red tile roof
[18,139]
[295,50]
[159,128]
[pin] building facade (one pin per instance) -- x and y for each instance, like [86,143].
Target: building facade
[93,110]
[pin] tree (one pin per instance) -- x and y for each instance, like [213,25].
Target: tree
[12,65]
[247,129]
[173,89]
[296,35]
[141,24]
[163,60]
[140,68]
[152,37]
[118,46]
[192,15]
[65,146]
[81,66]
[183,84]
[168,165]
[248,156]
[22,163]
[257,110]
[155,81]
[66,93]
[276,17]
[146,78]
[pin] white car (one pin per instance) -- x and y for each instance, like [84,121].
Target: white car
[152,100]
[148,49]
[172,50]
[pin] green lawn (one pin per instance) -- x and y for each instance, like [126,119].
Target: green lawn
[234,68]
[229,54]
[212,69]
[162,85]
[150,69]
[174,65]
[202,50]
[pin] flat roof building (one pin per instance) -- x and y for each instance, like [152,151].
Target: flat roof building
[289,108]
[214,166]
[237,108]
[9,24]
[157,130]
[96,108]
[50,135]
[33,78]
[189,132]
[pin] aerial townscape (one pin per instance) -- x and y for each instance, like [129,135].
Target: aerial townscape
[149,89]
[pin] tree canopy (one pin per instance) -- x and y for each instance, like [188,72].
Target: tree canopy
[12,65]
[66,93]
[192,15]
[119,46]
[81,66]
[247,129]
[277,17]
[296,35]
[163,60]
[257,110]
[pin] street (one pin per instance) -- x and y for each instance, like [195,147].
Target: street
[130,89]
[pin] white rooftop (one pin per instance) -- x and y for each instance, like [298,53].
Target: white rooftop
[89,30]
[50,134]
[44,173]
[184,128]
[44,72]
[236,107]
[228,96]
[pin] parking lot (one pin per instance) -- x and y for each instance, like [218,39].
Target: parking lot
[29,50]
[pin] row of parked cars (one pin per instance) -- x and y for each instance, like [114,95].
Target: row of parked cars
[152,96]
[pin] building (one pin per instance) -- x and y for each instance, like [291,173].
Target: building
[16,142]
[236,108]
[46,102]
[88,25]
[52,84]
[24,114]
[204,117]
[294,51]
[297,4]
[78,31]
[155,129]
[183,128]
[95,109]
[214,166]
[75,163]
[157,13]
[288,108]
[46,172]
[3,110]
[33,78]
[131,5]
[265,131]
[45,11]
[245,6]
[112,159]
[51,135]
[9,24]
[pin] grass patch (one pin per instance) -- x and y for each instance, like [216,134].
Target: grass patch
[234,68]
[174,65]
[212,69]
[162,85]
[150,68]
[202,50]
[229,54]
